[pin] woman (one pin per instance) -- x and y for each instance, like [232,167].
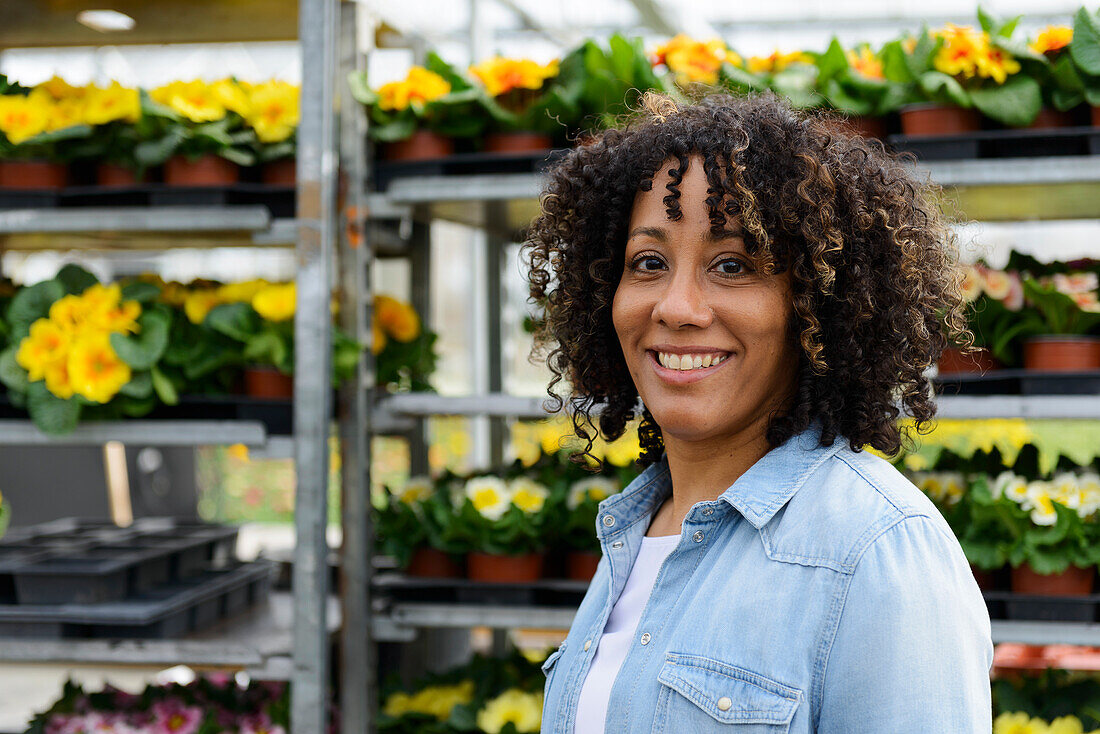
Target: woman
[773,289]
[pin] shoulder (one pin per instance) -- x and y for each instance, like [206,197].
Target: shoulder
[850,502]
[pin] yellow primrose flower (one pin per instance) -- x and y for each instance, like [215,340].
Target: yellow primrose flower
[490,496]
[232,95]
[1066,725]
[378,338]
[595,489]
[777,61]
[528,495]
[57,379]
[174,294]
[113,103]
[274,112]
[995,64]
[199,303]
[1052,38]
[501,75]
[865,62]
[95,370]
[1018,723]
[695,61]
[624,450]
[58,88]
[46,345]
[276,302]
[417,89]
[523,710]
[21,118]
[119,318]
[960,50]
[397,319]
[195,100]
[242,292]
[397,704]
[60,114]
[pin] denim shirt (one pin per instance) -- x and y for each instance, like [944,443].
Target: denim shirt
[822,592]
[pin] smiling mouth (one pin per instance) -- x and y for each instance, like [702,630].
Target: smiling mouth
[688,362]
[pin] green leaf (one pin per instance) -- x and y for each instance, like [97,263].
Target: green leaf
[50,413]
[139,386]
[239,156]
[30,304]
[142,350]
[164,388]
[1014,103]
[832,62]
[360,90]
[155,152]
[1085,46]
[152,108]
[140,291]
[238,321]
[72,132]
[988,23]
[12,375]
[941,87]
[76,279]
[267,348]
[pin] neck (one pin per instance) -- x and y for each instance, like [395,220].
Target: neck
[703,470]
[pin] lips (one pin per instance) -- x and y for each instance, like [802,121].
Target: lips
[685,376]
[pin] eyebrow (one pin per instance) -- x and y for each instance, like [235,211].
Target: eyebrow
[660,233]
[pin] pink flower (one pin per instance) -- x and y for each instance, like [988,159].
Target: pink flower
[1086,301]
[1075,283]
[219,679]
[259,724]
[1014,301]
[971,283]
[171,716]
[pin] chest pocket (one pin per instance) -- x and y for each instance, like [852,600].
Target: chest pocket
[550,663]
[702,695]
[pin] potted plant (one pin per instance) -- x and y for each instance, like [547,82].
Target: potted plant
[523,101]
[82,349]
[792,74]
[273,114]
[38,131]
[501,524]
[997,318]
[967,505]
[1068,305]
[606,82]
[853,81]
[578,532]
[404,352]
[1053,68]
[1084,50]
[408,527]
[198,132]
[419,117]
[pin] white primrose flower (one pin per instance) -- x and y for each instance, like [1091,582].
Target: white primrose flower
[490,496]
[591,488]
[416,490]
[1003,480]
[1064,489]
[954,487]
[1043,512]
[528,495]
[1089,489]
[1036,490]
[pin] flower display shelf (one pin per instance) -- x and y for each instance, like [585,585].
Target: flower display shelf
[1022,143]
[279,200]
[165,611]
[86,561]
[399,588]
[466,164]
[1028,607]
[1020,382]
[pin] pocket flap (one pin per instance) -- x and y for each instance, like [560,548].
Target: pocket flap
[552,659]
[729,694]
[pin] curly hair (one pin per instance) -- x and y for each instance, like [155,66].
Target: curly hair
[873,263]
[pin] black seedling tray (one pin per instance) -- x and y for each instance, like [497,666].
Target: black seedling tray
[78,561]
[167,611]
[996,382]
[1020,382]
[280,199]
[1022,143]
[1007,605]
[466,164]
[545,592]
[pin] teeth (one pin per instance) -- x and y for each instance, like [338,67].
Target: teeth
[688,361]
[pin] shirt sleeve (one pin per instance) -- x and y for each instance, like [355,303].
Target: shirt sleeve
[913,648]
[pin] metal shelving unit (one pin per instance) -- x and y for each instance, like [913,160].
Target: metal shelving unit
[290,637]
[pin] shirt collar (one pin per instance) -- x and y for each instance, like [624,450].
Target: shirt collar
[758,494]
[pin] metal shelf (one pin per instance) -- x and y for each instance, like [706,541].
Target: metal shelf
[1046,633]
[1083,407]
[143,227]
[426,404]
[1056,187]
[400,619]
[247,642]
[153,433]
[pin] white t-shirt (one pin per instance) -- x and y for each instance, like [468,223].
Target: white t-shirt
[618,633]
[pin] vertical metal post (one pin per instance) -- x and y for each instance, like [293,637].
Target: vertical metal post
[494,254]
[317,22]
[420,246]
[358,654]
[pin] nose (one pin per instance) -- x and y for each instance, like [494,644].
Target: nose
[682,303]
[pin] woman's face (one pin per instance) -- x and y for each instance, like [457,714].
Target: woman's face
[687,300]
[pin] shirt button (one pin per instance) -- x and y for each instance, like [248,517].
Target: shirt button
[587,644]
[646,638]
[698,537]
[724,703]
[708,511]
[608,521]
[617,544]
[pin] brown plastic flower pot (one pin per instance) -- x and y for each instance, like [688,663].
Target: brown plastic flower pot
[208,170]
[33,175]
[1096,116]
[423,145]
[954,362]
[112,174]
[936,119]
[868,127]
[504,569]
[1057,353]
[517,142]
[581,565]
[283,172]
[268,382]
[1073,581]
[1049,117]
[433,564]
[985,579]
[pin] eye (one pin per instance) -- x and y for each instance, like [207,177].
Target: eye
[646,263]
[731,267]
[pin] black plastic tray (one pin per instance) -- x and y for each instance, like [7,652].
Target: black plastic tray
[167,611]
[1008,605]
[80,561]
[280,199]
[1020,382]
[545,592]
[1022,143]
